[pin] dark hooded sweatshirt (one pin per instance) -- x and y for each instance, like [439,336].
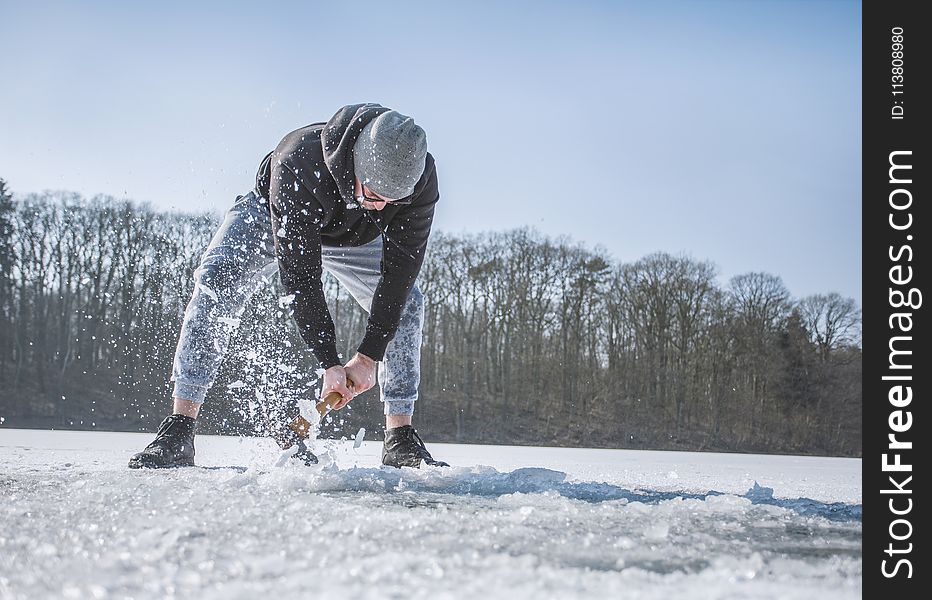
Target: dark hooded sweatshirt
[309,181]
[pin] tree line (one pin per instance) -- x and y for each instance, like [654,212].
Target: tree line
[528,339]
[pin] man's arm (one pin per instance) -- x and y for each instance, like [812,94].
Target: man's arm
[402,257]
[296,233]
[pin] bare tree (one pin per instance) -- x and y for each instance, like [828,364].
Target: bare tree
[527,338]
[832,321]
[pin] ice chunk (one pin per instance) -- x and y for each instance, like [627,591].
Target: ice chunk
[236,385]
[231,321]
[360,436]
[208,291]
[307,410]
[282,459]
[759,492]
[284,301]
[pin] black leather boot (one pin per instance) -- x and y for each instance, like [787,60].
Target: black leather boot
[173,445]
[404,448]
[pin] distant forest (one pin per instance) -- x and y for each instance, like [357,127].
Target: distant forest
[528,340]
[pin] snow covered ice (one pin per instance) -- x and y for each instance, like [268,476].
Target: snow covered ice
[535,523]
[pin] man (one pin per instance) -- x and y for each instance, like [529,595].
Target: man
[354,196]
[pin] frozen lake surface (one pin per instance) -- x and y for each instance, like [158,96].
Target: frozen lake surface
[505,522]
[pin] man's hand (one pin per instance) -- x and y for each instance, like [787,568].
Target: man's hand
[335,381]
[361,370]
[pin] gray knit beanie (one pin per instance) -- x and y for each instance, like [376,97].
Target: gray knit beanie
[390,154]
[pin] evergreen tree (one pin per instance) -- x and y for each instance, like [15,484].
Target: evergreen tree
[6,233]
[796,386]
[7,260]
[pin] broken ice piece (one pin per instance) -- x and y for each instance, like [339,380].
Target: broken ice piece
[284,301]
[285,455]
[360,436]
[208,291]
[309,412]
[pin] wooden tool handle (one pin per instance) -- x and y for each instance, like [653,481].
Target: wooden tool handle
[302,426]
[331,400]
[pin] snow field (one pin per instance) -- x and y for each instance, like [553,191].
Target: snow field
[538,523]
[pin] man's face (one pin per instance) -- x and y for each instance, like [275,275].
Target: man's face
[369,199]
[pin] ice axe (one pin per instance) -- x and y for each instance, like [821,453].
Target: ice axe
[302,427]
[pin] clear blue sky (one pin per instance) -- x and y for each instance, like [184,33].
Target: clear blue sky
[728,130]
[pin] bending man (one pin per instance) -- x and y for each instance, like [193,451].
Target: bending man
[354,196]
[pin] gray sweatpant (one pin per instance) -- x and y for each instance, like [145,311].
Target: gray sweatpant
[239,258]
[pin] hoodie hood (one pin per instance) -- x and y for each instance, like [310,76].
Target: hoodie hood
[338,138]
